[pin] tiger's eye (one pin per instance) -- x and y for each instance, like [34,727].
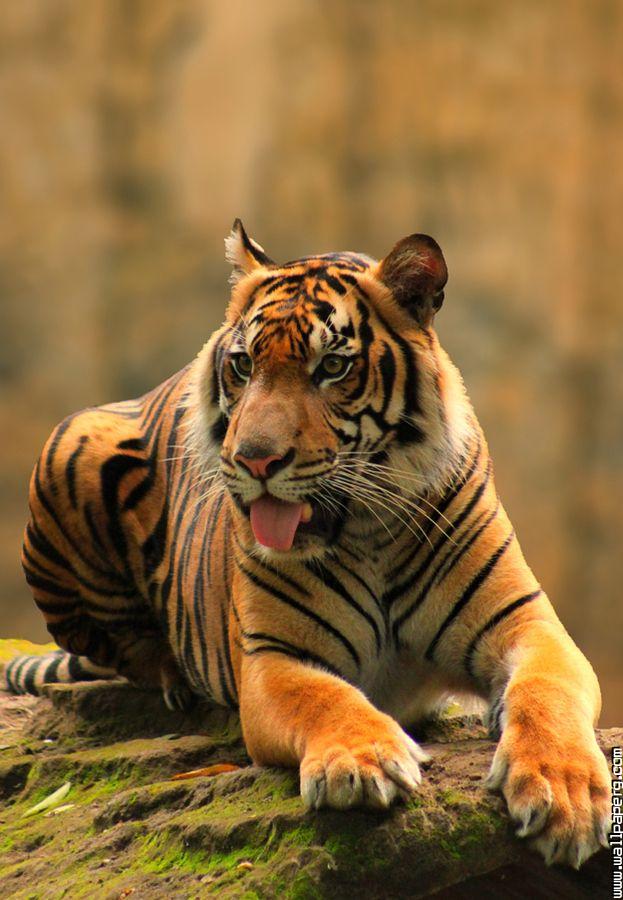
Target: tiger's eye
[243,364]
[332,365]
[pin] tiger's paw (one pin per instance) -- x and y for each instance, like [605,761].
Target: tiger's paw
[358,772]
[558,795]
[179,697]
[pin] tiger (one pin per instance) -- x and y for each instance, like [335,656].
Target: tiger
[303,524]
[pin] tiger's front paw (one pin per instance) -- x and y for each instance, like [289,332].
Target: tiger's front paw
[557,791]
[360,770]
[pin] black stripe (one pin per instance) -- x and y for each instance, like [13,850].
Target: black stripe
[334,283]
[21,661]
[98,544]
[44,584]
[228,599]
[276,573]
[59,609]
[387,367]
[49,461]
[452,559]
[351,553]
[35,564]
[335,585]
[29,675]
[198,611]
[276,643]
[468,659]
[50,674]
[217,356]
[423,593]
[476,582]
[74,669]
[302,656]
[355,575]
[153,416]
[184,634]
[228,663]
[112,473]
[51,512]
[44,547]
[8,672]
[412,376]
[153,548]
[398,590]
[70,470]
[136,494]
[131,444]
[308,613]
[225,692]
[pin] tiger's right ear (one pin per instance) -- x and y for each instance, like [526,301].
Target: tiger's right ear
[243,253]
[416,274]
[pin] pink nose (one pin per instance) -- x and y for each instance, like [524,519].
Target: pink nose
[262,467]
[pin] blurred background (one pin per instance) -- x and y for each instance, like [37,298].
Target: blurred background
[132,134]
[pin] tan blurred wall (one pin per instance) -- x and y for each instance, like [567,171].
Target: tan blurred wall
[132,133]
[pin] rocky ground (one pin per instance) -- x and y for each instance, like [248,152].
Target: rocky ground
[124,828]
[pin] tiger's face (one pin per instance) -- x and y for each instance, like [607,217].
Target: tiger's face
[326,369]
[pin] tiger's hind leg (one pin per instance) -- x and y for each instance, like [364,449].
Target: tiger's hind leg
[146,660]
[82,550]
[120,636]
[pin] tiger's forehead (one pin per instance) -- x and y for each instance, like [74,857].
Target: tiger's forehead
[305,307]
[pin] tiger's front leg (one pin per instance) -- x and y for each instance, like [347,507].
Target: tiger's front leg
[349,753]
[547,764]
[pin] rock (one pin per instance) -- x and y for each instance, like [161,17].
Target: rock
[126,828]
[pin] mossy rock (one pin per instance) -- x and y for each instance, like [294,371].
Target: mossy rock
[126,825]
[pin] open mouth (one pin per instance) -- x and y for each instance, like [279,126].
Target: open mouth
[276,523]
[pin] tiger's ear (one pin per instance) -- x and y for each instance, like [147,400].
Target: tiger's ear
[243,253]
[415,272]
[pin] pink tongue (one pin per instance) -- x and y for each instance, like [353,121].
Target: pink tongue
[274,522]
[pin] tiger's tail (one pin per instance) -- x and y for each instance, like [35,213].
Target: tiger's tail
[27,674]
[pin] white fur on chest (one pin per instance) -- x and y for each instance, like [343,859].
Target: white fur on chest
[410,690]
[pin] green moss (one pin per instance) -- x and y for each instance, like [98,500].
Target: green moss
[158,856]
[161,853]
[341,844]
[98,772]
[451,797]
[471,834]
[303,836]
[276,785]
[355,851]
[303,888]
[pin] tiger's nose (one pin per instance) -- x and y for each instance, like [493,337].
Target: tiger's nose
[263,466]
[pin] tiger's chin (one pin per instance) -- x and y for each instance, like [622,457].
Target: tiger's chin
[303,550]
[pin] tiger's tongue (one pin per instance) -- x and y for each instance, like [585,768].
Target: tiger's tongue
[274,522]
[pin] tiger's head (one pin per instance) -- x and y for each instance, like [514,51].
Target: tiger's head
[326,392]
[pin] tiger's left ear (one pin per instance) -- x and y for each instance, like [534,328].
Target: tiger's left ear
[243,253]
[416,273]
